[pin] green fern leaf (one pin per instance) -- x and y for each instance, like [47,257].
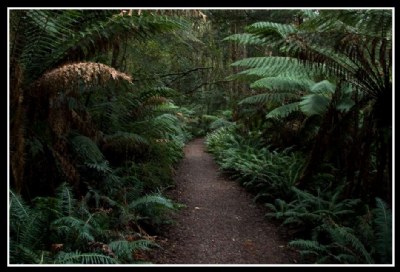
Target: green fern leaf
[83,258]
[152,200]
[269,28]
[283,111]
[323,87]
[18,208]
[87,149]
[66,201]
[246,38]
[314,104]
[309,245]
[124,249]
[283,83]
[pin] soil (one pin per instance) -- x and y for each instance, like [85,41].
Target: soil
[220,223]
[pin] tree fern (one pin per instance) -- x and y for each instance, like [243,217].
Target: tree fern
[52,29]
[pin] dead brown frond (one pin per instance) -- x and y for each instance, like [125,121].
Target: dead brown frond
[69,77]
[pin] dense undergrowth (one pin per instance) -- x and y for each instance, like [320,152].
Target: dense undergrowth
[329,228]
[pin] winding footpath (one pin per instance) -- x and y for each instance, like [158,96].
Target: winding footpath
[220,223]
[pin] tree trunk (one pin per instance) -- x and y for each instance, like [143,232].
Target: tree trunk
[318,151]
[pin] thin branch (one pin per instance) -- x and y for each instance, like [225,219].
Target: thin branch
[180,74]
[207,83]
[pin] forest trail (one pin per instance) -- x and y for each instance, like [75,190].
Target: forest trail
[220,223]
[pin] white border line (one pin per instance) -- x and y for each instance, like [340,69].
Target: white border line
[199,265]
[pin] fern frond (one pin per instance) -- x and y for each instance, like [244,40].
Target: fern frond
[19,210]
[219,123]
[150,200]
[284,110]
[74,229]
[102,166]
[126,137]
[247,39]
[87,149]
[323,87]
[343,237]
[124,249]
[271,29]
[65,198]
[308,245]
[283,83]
[260,62]
[83,258]
[21,254]
[314,104]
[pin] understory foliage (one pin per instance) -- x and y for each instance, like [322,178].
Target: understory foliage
[312,138]
[334,229]
[63,230]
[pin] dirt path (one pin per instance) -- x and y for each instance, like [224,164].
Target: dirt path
[221,224]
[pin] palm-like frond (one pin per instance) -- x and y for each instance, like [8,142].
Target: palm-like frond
[283,111]
[314,104]
[283,83]
[246,38]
